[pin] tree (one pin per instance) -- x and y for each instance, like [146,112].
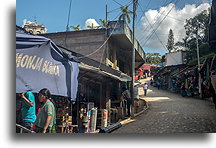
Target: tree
[125,14]
[103,23]
[92,27]
[182,45]
[76,28]
[153,58]
[170,42]
[196,27]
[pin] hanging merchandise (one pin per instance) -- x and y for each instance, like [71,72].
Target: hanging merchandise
[186,84]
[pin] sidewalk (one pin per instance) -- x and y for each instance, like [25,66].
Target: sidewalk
[141,102]
[141,97]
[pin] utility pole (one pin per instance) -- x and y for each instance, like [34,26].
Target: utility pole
[198,62]
[106,14]
[133,58]
[67,27]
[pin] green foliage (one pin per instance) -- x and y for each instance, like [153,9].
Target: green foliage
[76,28]
[204,49]
[92,27]
[125,14]
[153,58]
[170,42]
[202,59]
[103,23]
[196,28]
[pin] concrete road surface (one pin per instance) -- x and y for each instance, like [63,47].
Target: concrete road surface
[170,113]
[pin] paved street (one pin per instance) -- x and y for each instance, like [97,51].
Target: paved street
[170,113]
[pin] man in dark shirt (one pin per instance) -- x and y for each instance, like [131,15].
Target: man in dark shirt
[126,94]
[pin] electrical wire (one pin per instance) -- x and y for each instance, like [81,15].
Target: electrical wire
[105,48]
[156,17]
[154,31]
[111,11]
[100,46]
[128,4]
[164,4]
[145,8]
[160,22]
[153,28]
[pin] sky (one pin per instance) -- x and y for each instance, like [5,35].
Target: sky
[153,38]
[9,139]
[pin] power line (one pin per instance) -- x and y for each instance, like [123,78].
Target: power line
[117,2]
[100,46]
[157,17]
[129,3]
[104,41]
[160,22]
[113,10]
[153,28]
[154,31]
[145,8]
[174,18]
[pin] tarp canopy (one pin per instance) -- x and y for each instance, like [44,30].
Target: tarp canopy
[146,67]
[212,26]
[213,15]
[41,64]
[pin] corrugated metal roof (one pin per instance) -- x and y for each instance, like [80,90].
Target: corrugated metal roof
[123,76]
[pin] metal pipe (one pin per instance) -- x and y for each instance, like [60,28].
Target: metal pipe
[198,62]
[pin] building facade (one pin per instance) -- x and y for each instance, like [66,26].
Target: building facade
[34,28]
[111,46]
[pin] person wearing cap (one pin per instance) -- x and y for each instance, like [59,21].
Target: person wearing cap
[28,110]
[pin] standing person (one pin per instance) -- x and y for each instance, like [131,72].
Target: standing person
[46,119]
[158,85]
[151,82]
[126,94]
[145,87]
[183,91]
[28,110]
[136,94]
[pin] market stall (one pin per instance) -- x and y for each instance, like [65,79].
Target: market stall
[41,64]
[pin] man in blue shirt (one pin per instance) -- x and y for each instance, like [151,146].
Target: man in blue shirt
[28,109]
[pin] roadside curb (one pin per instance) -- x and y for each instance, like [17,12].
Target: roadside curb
[135,115]
[145,108]
[117,125]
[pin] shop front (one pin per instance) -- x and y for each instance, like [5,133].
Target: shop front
[41,64]
[99,101]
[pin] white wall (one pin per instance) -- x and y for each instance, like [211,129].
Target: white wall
[174,58]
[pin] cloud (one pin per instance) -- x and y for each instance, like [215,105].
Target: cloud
[175,21]
[26,21]
[89,22]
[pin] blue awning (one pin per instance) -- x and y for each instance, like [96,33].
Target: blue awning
[41,64]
